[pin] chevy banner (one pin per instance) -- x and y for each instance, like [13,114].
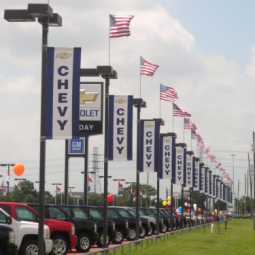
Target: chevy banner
[120,128]
[196,176]
[62,93]
[149,146]
[190,167]
[180,166]
[167,150]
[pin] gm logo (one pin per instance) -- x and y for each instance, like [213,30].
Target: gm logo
[76,146]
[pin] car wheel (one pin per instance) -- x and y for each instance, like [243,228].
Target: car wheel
[83,243]
[59,246]
[142,235]
[132,234]
[119,236]
[100,242]
[30,247]
[148,232]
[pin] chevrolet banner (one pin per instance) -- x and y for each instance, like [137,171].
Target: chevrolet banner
[196,176]
[149,146]
[202,181]
[190,167]
[120,133]
[180,166]
[167,150]
[62,93]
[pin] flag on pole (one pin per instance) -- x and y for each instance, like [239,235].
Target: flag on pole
[200,143]
[120,25]
[189,124]
[70,193]
[90,180]
[19,186]
[206,149]
[167,93]
[4,192]
[195,135]
[8,177]
[58,191]
[134,198]
[178,112]
[147,68]
[120,189]
[2,185]
[141,193]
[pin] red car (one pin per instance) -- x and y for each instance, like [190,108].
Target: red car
[61,232]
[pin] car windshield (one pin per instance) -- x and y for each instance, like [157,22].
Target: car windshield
[95,213]
[141,213]
[149,212]
[56,213]
[132,212]
[2,218]
[163,212]
[24,213]
[123,212]
[80,214]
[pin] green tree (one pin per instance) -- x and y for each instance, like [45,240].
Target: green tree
[29,199]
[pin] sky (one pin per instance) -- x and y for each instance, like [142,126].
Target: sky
[205,51]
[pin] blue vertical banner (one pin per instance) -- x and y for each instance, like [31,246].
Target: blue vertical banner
[149,143]
[120,134]
[180,166]
[202,180]
[210,183]
[167,149]
[218,187]
[207,181]
[221,190]
[214,186]
[62,93]
[196,175]
[190,168]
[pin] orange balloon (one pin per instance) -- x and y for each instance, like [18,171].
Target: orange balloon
[199,209]
[18,169]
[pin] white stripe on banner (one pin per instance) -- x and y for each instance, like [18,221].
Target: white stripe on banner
[196,177]
[167,157]
[149,145]
[120,127]
[179,165]
[202,185]
[189,171]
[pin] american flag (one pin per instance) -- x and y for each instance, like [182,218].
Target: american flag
[120,189]
[167,93]
[58,191]
[189,124]
[90,180]
[70,193]
[200,143]
[120,25]
[4,192]
[220,165]
[195,135]
[178,112]
[206,149]
[134,198]
[147,68]
[8,177]
[141,193]
[19,186]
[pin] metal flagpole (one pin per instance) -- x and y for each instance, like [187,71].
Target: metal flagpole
[109,37]
[140,78]
[173,115]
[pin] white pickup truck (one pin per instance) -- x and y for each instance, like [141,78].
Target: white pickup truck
[25,234]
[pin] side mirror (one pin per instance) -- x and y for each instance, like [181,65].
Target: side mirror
[37,218]
[8,220]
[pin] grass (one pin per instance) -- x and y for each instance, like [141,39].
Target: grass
[238,238]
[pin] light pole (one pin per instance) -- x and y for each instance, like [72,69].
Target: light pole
[118,180]
[233,185]
[19,179]
[46,18]
[8,165]
[56,190]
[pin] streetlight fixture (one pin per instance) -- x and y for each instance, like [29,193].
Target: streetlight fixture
[118,180]
[56,190]
[19,179]
[46,17]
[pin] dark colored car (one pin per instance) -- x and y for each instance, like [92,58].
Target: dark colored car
[114,213]
[176,220]
[7,246]
[162,226]
[85,229]
[145,221]
[165,218]
[98,219]
[121,225]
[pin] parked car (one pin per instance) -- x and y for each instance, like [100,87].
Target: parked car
[166,218]
[85,229]
[113,213]
[121,225]
[61,233]
[162,226]
[145,221]
[176,220]
[24,235]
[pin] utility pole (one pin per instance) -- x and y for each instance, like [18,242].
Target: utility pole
[250,184]
[238,187]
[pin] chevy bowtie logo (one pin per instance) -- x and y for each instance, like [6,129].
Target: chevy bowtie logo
[149,125]
[120,101]
[63,55]
[167,140]
[89,97]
